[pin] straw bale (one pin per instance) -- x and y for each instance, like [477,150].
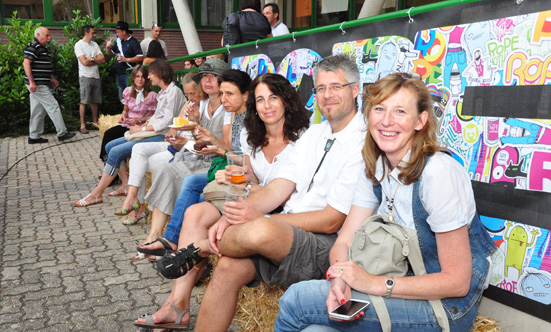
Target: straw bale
[107,121]
[485,324]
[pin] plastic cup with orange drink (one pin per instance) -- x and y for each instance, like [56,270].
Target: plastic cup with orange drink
[236,159]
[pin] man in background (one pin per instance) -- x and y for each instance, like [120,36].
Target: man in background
[271,11]
[89,57]
[128,51]
[38,77]
[155,33]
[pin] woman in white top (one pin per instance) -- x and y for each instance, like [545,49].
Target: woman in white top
[169,102]
[148,157]
[421,188]
[274,121]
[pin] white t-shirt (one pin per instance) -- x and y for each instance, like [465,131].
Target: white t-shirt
[145,46]
[338,173]
[90,49]
[265,170]
[279,29]
[445,192]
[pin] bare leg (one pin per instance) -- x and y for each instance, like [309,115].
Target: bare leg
[158,221]
[268,237]
[131,197]
[94,113]
[82,111]
[220,299]
[123,174]
[197,220]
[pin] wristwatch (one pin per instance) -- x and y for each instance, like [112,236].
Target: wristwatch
[249,185]
[92,59]
[389,282]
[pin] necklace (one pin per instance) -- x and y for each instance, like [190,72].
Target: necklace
[390,205]
[212,109]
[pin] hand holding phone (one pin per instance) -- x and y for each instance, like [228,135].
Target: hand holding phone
[349,309]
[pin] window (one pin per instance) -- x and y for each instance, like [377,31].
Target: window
[302,13]
[119,10]
[26,9]
[168,15]
[331,12]
[62,10]
[213,12]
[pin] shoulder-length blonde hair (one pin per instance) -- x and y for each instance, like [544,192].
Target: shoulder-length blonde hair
[147,85]
[424,141]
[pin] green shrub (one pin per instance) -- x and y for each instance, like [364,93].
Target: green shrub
[14,96]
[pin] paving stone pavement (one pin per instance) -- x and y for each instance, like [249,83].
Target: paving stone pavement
[64,268]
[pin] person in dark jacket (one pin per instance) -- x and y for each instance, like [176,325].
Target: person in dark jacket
[248,24]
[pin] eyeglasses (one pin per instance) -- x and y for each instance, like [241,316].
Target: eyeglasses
[336,87]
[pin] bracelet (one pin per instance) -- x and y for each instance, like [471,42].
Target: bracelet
[143,128]
[267,215]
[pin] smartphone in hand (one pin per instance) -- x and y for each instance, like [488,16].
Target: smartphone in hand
[349,309]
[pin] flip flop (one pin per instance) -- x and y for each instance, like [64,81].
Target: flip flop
[139,256]
[157,252]
[125,211]
[153,258]
[176,326]
[83,130]
[137,218]
[83,203]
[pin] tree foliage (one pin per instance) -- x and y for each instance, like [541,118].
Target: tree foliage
[14,96]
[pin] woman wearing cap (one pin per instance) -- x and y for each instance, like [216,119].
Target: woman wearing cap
[169,102]
[169,178]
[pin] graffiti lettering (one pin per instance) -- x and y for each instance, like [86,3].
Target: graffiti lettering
[527,70]
[509,286]
[499,51]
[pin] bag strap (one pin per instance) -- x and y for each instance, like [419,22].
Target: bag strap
[412,251]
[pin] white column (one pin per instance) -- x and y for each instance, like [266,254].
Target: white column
[149,16]
[191,38]
[371,8]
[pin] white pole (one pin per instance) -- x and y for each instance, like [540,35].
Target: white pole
[371,8]
[187,26]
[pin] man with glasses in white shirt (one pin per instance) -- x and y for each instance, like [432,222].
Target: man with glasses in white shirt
[315,188]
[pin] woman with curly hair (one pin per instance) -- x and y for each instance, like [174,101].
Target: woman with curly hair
[275,119]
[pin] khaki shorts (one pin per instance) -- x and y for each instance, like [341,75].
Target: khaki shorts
[308,259]
[90,88]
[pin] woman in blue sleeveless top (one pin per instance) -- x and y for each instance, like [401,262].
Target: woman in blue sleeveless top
[409,179]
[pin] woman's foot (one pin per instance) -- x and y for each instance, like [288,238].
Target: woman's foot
[134,217]
[158,245]
[168,314]
[83,130]
[88,200]
[127,208]
[121,191]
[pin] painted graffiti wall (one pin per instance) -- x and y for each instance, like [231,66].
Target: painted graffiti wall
[510,153]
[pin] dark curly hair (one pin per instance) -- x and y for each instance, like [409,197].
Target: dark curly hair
[296,116]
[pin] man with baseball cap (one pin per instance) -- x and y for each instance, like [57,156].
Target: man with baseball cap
[128,51]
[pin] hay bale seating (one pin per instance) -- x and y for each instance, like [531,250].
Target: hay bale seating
[257,307]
